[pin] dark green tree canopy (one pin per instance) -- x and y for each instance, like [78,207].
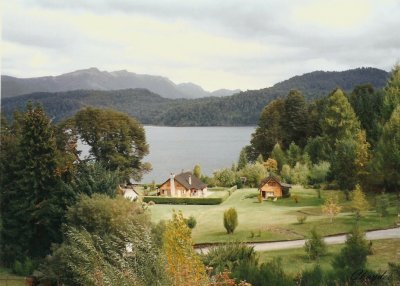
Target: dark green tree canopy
[295,118]
[116,140]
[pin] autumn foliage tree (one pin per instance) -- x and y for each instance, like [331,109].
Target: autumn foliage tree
[182,265]
[331,207]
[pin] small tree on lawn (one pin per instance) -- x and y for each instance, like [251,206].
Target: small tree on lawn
[315,246]
[359,203]
[353,256]
[382,203]
[230,220]
[331,207]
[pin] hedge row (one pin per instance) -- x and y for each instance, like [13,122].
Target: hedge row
[185,201]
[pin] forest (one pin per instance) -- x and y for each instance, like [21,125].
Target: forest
[241,109]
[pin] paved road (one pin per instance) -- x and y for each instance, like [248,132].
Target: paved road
[337,239]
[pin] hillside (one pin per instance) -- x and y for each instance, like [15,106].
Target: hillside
[94,79]
[235,110]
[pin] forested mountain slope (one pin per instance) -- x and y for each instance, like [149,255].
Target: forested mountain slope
[240,109]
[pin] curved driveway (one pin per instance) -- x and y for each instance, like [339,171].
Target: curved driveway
[336,239]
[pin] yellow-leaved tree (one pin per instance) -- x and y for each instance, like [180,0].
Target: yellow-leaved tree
[183,265]
[331,207]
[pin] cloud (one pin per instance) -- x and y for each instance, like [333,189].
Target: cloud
[230,44]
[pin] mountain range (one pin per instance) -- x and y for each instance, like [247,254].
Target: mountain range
[240,109]
[94,79]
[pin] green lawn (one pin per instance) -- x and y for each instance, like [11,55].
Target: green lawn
[270,221]
[8,279]
[296,260]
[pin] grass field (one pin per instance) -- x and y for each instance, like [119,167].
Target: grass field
[271,221]
[296,260]
[8,279]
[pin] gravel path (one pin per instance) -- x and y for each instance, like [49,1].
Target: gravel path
[337,239]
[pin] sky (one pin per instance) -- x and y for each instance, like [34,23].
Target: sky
[214,43]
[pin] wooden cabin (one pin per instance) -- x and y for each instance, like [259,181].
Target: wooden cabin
[271,187]
[183,185]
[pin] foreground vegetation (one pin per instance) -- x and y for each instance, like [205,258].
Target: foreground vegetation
[297,260]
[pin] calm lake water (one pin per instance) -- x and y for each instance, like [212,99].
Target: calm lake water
[173,149]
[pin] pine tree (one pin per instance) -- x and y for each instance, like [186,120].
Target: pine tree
[242,159]
[392,93]
[315,246]
[278,154]
[36,201]
[388,152]
[339,120]
[295,119]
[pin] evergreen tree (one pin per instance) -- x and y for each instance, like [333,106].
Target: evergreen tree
[392,93]
[269,130]
[294,119]
[278,155]
[353,256]
[388,152]
[344,165]
[315,246]
[242,159]
[367,104]
[197,171]
[339,120]
[36,201]
[230,220]
[293,154]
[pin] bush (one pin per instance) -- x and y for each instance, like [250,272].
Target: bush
[230,220]
[191,222]
[315,246]
[24,268]
[301,218]
[260,198]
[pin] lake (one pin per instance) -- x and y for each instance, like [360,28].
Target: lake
[173,149]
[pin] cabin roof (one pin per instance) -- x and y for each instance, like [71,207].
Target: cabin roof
[183,179]
[273,178]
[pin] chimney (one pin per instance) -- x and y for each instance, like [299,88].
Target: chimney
[190,180]
[172,184]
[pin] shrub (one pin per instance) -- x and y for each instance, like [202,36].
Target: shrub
[301,218]
[24,268]
[295,199]
[315,246]
[230,220]
[191,222]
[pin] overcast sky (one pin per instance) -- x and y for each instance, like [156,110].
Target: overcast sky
[216,44]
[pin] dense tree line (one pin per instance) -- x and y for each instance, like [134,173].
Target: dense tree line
[236,110]
[354,135]
[42,174]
